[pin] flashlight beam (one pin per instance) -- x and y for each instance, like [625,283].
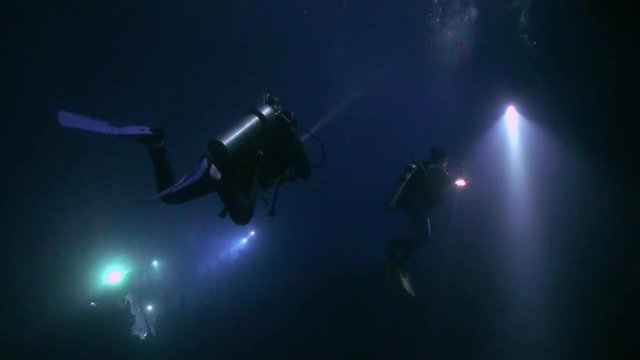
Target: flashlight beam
[333,113]
[512,118]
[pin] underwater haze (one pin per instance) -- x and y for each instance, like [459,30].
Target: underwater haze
[533,258]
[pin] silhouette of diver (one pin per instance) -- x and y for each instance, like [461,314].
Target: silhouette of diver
[419,192]
[261,152]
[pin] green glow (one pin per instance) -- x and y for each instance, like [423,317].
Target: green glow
[114,275]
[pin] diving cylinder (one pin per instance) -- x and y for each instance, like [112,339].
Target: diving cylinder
[394,201]
[239,145]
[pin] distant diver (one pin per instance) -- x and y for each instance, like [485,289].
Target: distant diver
[421,189]
[260,152]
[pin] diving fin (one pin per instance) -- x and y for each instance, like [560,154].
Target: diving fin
[86,123]
[406,283]
[394,270]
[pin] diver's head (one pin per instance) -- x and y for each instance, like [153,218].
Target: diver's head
[438,156]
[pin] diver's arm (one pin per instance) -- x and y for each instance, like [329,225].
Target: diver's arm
[399,191]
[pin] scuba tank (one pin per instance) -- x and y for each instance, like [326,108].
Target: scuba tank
[394,201]
[238,152]
[237,147]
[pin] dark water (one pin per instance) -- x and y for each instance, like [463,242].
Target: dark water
[534,259]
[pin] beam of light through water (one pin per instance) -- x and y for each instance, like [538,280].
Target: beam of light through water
[231,252]
[246,239]
[333,113]
[511,119]
[507,168]
[513,122]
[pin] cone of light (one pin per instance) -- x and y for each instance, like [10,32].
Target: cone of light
[511,119]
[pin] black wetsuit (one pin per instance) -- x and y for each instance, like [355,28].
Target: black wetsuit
[281,158]
[424,192]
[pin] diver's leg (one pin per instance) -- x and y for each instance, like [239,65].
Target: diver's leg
[153,139]
[164,175]
[411,245]
[205,180]
[162,169]
[171,191]
[403,247]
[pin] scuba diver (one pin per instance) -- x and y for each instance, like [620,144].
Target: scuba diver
[145,317]
[261,152]
[420,190]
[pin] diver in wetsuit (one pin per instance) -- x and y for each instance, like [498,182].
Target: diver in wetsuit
[261,152]
[420,191]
